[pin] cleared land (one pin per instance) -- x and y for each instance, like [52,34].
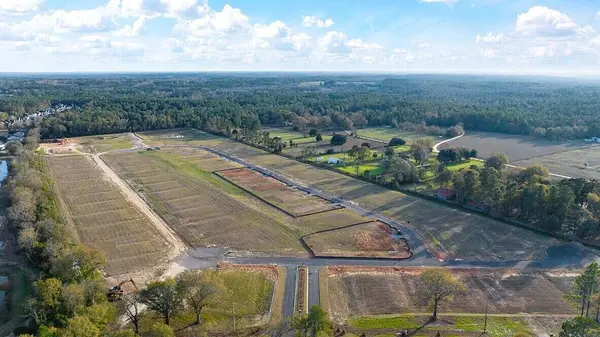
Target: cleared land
[514,146]
[202,208]
[447,232]
[104,218]
[376,291]
[570,163]
[205,160]
[292,201]
[98,144]
[373,239]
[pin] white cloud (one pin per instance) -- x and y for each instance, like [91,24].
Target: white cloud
[60,21]
[545,22]
[20,6]
[309,21]
[134,29]
[424,45]
[229,20]
[490,38]
[598,15]
[335,43]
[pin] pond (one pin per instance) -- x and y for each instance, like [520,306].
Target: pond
[3,170]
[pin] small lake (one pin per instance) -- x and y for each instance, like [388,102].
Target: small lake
[3,170]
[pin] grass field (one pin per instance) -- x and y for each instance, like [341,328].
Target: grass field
[205,160]
[287,134]
[202,208]
[247,291]
[464,165]
[373,239]
[103,218]
[295,202]
[98,144]
[376,291]
[449,233]
[387,133]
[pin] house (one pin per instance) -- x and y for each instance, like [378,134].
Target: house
[334,161]
[593,140]
[445,194]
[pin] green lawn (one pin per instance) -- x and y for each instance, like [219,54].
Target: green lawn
[387,133]
[296,136]
[374,169]
[384,322]
[464,164]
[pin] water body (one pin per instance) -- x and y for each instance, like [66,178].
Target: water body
[3,171]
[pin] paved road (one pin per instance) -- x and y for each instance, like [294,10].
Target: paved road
[313,286]
[562,256]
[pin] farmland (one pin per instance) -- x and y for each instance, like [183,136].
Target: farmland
[373,239]
[378,291]
[203,209]
[292,201]
[570,163]
[103,218]
[515,147]
[447,232]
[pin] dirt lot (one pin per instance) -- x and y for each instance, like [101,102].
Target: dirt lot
[449,233]
[203,209]
[103,217]
[571,163]
[514,146]
[295,202]
[373,239]
[376,291]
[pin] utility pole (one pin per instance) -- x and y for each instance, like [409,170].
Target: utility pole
[486,317]
[233,313]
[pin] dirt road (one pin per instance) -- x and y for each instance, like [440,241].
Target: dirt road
[178,246]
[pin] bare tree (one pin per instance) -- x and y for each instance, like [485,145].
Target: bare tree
[198,291]
[438,285]
[133,310]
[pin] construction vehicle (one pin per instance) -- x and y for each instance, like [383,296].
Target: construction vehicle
[116,293]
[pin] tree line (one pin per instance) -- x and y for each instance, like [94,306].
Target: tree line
[552,109]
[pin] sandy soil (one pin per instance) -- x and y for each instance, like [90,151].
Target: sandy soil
[177,244]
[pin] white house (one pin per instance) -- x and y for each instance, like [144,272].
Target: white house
[334,161]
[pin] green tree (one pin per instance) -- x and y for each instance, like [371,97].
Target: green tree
[338,140]
[389,152]
[466,184]
[560,199]
[159,330]
[399,169]
[444,177]
[396,142]
[81,326]
[585,286]
[319,138]
[198,292]
[580,327]
[165,298]
[312,132]
[533,201]
[438,286]
[497,161]
[533,174]
[311,324]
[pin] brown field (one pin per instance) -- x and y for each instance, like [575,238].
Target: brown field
[570,163]
[203,209]
[104,219]
[449,233]
[329,220]
[292,201]
[373,239]
[376,291]
[514,146]
[205,160]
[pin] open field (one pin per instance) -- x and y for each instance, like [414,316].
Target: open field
[202,208]
[375,291]
[464,164]
[104,218]
[514,146]
[386,133]
[287,134]
[372,239]
[323,146]
[292,201]
[98,144]
[205,160]
[570,163]
[447,232]
[329,220]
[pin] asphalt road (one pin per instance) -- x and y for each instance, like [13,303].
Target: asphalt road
[566,255]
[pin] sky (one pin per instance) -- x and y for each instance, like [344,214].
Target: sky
[553,37]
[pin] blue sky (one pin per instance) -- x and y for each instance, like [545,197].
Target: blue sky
[396,36]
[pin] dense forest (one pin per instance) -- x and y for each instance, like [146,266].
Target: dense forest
[544,107]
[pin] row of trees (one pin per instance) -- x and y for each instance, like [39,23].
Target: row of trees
[568,207]
[451,155]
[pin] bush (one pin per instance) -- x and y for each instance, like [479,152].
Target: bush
[319,138]
[338,140]
[330,151]
[366,145]
[396,141]
[312,132]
